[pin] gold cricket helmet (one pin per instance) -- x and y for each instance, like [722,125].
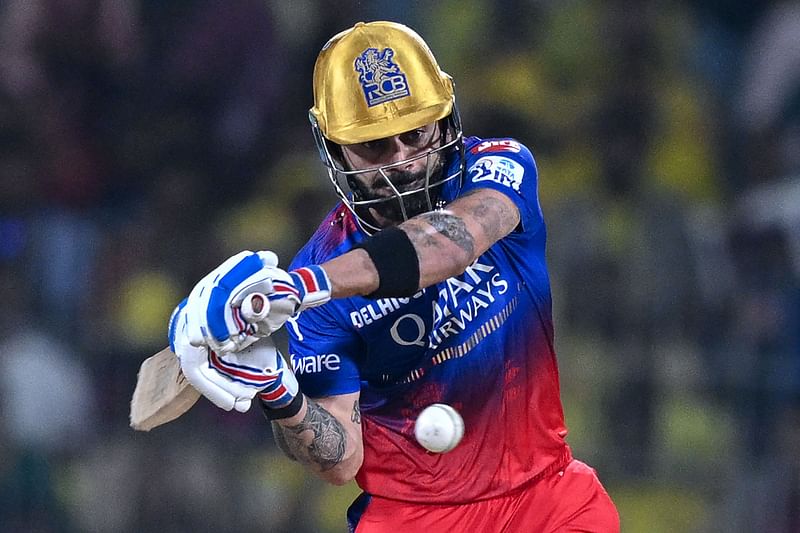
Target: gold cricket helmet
[376,80]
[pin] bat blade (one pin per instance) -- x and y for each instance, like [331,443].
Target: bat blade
[162,393]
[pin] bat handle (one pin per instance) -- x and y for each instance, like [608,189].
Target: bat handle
[255,307]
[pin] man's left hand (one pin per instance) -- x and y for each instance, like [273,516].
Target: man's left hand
[215,304]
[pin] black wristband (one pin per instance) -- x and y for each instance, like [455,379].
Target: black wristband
[286,411]
[396,261]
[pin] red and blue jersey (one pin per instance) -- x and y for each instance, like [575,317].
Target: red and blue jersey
[481,342]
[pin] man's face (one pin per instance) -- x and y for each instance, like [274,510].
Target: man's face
[396,155]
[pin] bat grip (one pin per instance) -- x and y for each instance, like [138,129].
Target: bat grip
[255,307]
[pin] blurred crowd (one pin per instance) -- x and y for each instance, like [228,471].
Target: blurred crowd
[142,142]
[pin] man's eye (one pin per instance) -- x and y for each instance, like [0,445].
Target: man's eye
[415,135]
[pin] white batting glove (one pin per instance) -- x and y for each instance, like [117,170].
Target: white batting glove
[233,380]
[249,297]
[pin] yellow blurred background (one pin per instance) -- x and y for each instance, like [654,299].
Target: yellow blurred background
[142,142]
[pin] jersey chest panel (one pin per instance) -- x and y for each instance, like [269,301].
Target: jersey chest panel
[408,337]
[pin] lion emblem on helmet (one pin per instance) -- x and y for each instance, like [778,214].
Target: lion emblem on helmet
[380,77]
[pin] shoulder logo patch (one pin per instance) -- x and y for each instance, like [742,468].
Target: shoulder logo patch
[498,169]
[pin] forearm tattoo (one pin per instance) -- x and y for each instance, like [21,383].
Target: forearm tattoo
[328,438]
[451,227]
[493,215]
[280,440]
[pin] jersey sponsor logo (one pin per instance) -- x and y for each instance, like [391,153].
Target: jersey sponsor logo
[498,169]
[311,364]
[382,307]
[380,77]
[461,300]
[408,330]
[505,145]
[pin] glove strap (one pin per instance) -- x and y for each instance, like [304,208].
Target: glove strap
[284,412]
[314,286]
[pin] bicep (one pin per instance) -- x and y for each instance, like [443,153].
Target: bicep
[449,240]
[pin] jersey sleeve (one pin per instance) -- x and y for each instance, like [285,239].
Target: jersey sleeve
[507,166]
[323,353]
[323,345]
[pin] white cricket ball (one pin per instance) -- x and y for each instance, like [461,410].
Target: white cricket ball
[439,428]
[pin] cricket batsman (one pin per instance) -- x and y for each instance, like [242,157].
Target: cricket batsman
[425,284]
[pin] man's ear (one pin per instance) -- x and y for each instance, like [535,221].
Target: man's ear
[337,155]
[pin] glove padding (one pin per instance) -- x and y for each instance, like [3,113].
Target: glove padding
[233,380]
[215,304]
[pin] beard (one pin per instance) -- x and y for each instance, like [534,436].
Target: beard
[390,211]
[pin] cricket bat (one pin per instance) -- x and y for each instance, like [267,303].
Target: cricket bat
[162,392]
